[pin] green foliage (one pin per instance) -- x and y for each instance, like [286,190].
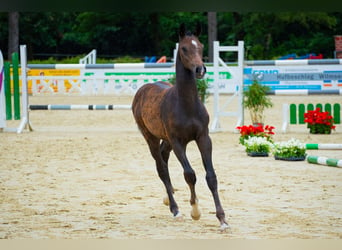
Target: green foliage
[258,144]
[127,59]
[267,35]
[202,87]
[289,149]
[256,100]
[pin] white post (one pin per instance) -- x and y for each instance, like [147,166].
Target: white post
[2,95]
[241,55]
[216,76]
[25,122]
[237,73]
[175,53]
[285,117]
[94,57]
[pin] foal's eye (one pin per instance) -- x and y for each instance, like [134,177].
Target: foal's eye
[184,49]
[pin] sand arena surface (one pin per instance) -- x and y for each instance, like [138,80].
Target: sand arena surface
[89,174]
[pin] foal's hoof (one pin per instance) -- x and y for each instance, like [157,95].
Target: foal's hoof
[225,228]
[178,217]
[195,213]
[195,216]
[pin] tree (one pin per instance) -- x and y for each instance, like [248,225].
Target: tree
[267,35]
[212,34]
[13,34]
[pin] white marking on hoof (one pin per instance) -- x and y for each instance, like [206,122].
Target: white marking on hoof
[195,212]
[166,201]
[178,217]
[225,228]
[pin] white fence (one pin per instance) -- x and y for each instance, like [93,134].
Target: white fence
[320,76]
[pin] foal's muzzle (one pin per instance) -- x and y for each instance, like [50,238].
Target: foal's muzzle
[200,72]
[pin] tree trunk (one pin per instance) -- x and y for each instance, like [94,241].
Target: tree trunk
[154,18]
[212,34]
[13,33]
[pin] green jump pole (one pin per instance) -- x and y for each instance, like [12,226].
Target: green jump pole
[324,161]
[16,92]
[8,92]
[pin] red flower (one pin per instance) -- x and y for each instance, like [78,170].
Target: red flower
[251,130]
[319,121]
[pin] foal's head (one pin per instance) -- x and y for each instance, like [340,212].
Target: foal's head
[191,51]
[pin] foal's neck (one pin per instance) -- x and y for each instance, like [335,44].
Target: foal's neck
[185,82]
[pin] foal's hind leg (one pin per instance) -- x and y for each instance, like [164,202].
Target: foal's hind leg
[165,149]
[163,171]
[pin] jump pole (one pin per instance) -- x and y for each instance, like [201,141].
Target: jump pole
[79,107]
[325,161]
[328,146]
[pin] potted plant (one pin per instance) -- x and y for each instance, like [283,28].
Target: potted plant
[292,150]
[256,100]
[202,87]
[258,146]
[248,131]
[319,122]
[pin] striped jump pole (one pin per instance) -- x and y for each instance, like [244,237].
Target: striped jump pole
[293,92]
[78,107]
[328,146]
[325,161]
[120,66]
[294,62]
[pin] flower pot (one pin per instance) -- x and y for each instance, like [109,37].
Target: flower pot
[258,124]
[295,158]
[320,130]
[257,154]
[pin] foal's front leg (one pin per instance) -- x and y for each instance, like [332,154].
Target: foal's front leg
[205,147]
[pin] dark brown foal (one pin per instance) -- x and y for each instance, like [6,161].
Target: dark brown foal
[169,117]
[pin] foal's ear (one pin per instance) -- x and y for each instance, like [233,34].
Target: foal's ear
[198,29]
[181,30]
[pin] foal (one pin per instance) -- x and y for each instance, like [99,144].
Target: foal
[169,117]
